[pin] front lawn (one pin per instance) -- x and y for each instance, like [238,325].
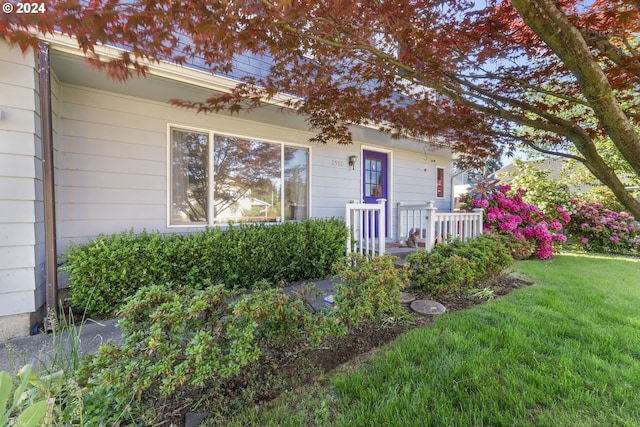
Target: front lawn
[564,352]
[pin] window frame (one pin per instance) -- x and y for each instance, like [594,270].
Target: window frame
[438,169]
[210,193]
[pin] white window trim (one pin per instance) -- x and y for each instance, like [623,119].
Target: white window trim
[210,219]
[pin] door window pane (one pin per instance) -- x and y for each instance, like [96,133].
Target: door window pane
[189,176]
[373,178]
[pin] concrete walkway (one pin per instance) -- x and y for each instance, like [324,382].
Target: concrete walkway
[39,350]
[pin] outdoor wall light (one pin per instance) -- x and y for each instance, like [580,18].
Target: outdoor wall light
[352,161]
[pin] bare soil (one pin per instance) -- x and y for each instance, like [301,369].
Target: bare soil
[285,369]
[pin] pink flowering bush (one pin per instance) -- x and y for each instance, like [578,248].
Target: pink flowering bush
[602,230]
[505,211]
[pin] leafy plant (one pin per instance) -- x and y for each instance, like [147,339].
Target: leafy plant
[283,318]
[372,288]
[451,267]
[519,249]
[18,406]
[484,293]
[173,337]
[544,190]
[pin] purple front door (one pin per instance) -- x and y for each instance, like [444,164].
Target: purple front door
[374,179]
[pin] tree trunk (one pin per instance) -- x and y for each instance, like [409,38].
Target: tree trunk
[553,27]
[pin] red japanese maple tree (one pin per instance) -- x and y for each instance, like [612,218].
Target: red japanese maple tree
[555,75]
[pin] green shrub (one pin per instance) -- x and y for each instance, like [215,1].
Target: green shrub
[458,265]
[519,249]
[104,272]
[372,288]
[175,336]
[286,319]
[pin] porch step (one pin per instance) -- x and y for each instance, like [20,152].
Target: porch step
[400,252]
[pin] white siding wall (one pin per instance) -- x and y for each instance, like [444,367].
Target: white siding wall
[21,219]
[111,159]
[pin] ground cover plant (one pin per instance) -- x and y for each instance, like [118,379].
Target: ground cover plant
[561,352]
[107,270]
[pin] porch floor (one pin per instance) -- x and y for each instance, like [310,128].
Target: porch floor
[401,252]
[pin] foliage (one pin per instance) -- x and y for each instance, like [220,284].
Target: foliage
[107,270]
[564,69]
[286,319]
[457,265]
[543,189]
[599,194]
[67,403]
[371,290]
[176,336]
[518,249]
[507,212]
[18,404]
[599,229]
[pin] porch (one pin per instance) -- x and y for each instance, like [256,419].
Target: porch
[418,227]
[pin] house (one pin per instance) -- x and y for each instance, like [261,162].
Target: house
[82,155]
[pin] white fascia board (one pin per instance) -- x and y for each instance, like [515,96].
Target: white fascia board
[213,82]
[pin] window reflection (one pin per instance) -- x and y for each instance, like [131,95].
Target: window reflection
[246,181]
[189,176]
[373,178]
[296,183]
[251,181]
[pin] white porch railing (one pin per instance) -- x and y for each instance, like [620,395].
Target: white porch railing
[365,221]
[435,227]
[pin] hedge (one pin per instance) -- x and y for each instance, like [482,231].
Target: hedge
[104,272]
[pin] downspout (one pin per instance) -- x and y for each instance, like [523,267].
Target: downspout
[51,258]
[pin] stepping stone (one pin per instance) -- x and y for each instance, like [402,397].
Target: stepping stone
[425,307]
[407,298]
[194,419]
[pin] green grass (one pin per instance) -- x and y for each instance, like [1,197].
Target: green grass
[564,352]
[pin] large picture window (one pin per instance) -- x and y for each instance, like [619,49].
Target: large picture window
[251,180]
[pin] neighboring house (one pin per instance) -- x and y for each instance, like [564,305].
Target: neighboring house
[123,159]
[554,165]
